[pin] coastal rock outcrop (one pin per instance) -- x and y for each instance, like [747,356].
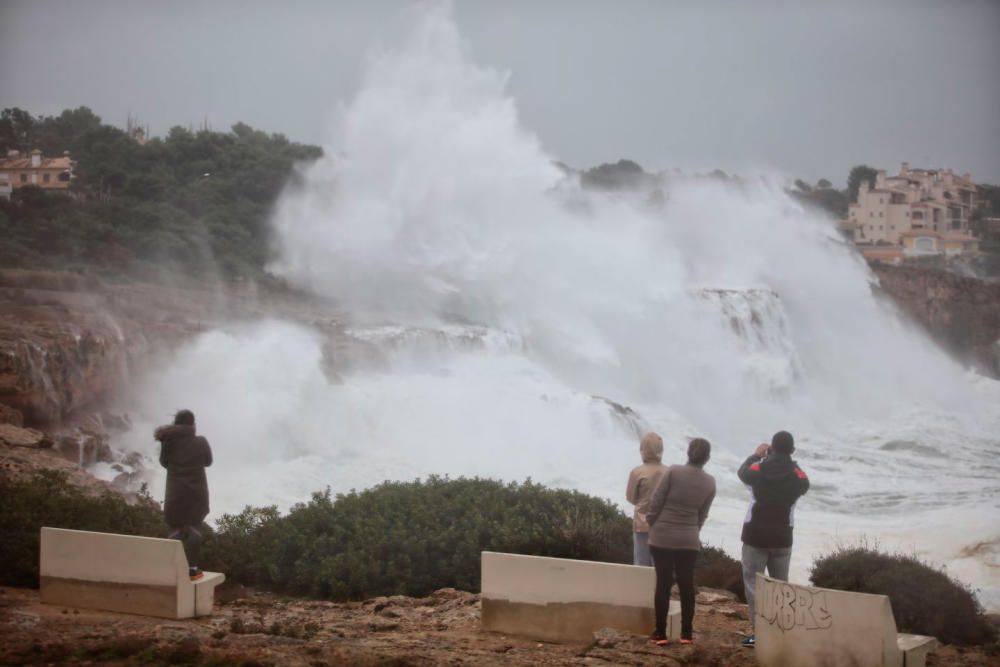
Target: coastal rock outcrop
[15,436]
[962,314]
[9,415]
[51,366]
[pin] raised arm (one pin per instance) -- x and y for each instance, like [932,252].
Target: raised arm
[749,472]
[803,480]
[158,435]
[206,452]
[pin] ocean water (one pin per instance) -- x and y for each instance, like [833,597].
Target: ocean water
[498,320]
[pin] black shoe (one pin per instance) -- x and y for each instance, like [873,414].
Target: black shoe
[749,642]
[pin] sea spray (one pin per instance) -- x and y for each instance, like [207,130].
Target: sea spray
[435,205]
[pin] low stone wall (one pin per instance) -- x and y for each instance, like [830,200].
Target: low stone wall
[564,600]
[123,573]
[820,627]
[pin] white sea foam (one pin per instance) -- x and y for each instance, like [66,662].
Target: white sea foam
[505,299]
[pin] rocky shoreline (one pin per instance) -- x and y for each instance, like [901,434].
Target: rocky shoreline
[69,343]
[962,314]
[253,628]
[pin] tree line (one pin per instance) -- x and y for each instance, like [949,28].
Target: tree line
[192,200]
[200,200]
[629,175]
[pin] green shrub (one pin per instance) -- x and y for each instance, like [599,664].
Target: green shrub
[717,569]
[925,600]
[407,538]
[411,538]
[48,499]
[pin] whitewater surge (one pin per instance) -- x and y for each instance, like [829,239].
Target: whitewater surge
[525,327]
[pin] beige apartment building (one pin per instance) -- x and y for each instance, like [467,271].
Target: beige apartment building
[936,202]
[50,173]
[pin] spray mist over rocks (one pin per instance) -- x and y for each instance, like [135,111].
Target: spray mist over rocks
[531,328]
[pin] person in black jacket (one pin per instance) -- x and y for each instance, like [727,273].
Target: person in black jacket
[185,455]
[776,482]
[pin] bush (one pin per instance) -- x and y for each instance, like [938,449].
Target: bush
[717,569]
[411,538]
[925,600]
[48,499]
[405,538]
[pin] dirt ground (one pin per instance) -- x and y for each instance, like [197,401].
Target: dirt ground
[252,628]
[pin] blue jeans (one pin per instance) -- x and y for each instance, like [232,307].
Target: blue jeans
[640,549]
[755,560]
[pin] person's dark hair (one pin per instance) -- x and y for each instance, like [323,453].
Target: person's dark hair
[184,418]
[699,451]
[783,442]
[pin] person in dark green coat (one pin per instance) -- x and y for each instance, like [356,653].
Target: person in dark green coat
[185,455]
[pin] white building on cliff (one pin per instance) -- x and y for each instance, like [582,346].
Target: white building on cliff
[918,212]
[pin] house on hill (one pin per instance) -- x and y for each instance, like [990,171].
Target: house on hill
[918,211]
[49,173]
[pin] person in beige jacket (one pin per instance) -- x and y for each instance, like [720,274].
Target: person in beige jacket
[641,483]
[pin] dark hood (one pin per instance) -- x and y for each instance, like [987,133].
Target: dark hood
[777,466]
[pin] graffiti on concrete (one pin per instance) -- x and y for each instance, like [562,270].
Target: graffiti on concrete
[788,607]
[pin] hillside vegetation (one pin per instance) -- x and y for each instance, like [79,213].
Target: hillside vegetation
[190,202]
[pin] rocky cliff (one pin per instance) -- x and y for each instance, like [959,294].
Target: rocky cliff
[962,314]
[67,342]
[52,364]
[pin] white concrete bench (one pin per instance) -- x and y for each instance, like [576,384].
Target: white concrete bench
[805,626]
[563,600]
[135,575]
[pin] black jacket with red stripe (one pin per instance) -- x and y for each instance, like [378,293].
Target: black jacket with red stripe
[776,483]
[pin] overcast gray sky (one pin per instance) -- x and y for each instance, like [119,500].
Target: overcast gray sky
[809,88]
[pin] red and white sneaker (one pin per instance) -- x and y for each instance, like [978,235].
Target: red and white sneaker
[656,639]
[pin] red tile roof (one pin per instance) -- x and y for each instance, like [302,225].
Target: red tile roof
[45,163]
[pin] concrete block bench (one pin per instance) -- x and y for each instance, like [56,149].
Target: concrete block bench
[822,627]
[564,600]
[124,573]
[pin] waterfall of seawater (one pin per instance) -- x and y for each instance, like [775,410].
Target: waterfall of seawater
[500,321]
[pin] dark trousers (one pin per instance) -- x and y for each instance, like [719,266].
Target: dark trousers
[668,562]
[191,539]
